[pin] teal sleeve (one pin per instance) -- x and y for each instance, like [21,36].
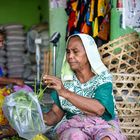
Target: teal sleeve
[55,98]
[104,95]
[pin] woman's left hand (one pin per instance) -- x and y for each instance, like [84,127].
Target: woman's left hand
[55,83]
[19,82]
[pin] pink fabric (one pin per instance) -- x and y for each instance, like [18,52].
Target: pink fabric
[25,87]
[89,128]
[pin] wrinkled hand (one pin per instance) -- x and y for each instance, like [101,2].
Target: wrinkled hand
[19,82]
[55,83]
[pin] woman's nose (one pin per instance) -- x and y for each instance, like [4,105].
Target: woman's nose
[70,55]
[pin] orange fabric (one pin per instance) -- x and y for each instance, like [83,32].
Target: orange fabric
[74,5]
[85,28]
[104,31]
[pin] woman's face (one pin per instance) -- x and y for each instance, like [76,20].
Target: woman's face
[76,55]
[1,41]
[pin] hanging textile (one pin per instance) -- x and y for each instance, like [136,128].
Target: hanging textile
[90,17]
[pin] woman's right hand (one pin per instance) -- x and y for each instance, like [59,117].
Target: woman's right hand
[55,83]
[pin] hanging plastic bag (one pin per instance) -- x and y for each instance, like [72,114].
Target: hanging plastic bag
[23,111]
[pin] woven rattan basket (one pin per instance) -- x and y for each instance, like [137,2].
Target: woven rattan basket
[122,55]
[127,95]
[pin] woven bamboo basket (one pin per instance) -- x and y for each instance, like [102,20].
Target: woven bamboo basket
[122,55]
[127,95]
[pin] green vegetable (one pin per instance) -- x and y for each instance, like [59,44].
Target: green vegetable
[40,92]
[23,111]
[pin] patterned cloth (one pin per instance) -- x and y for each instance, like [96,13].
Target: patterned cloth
[87,89]
[82,127]
[85,127]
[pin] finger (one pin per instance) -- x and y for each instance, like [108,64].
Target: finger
[47,80]
[52,86]
[50,77]
[51,81]
[47,83]
[45,77]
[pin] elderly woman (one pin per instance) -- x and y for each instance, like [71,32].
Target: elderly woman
[83,95]
[5,80]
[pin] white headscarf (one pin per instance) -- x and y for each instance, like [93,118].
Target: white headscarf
[92,54]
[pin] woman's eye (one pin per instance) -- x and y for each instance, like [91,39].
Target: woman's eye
[75,51]
[67,52]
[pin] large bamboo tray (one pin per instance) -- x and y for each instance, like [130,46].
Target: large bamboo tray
[122,55]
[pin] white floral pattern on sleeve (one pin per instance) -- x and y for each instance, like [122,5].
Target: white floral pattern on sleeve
[84,89]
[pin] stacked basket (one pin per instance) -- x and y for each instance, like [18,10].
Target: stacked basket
[122,57]
[15,49]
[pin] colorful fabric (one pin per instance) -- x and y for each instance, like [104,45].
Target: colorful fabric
[82,127]
[91,11]
[95,33]
[104,29]
[86,28]
[84,18]
[101,7]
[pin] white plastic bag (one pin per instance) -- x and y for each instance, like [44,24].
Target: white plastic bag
[23,111]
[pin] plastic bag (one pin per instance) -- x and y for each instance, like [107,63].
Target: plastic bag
[23,111]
